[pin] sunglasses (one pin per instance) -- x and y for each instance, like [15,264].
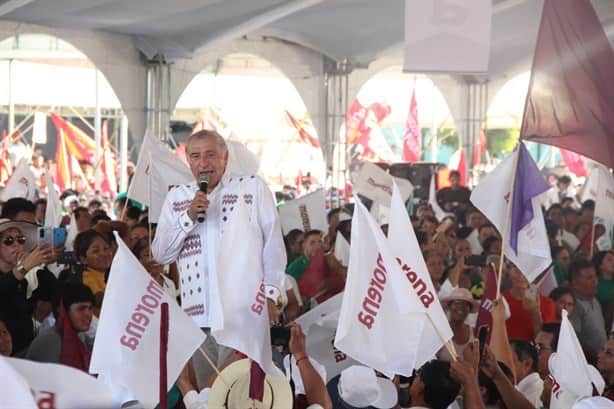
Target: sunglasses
[10,240]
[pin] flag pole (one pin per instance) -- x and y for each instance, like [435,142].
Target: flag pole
[163,356]
[446,343]
[215,368]
[506,228]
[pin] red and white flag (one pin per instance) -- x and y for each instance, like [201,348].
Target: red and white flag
[241,313]
[378,301]
[458,161]
[127,346]
[406,250]
[50,386]
[412,137]
[305,213]
[374,183]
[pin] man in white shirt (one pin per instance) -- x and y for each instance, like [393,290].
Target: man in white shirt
[529,383]
[193,245]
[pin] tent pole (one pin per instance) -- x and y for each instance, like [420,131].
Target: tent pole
[123,154]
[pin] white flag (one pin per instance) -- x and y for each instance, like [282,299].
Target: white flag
[374,183]
[378,303]
[342,249]
[53,211]
[55,386]
[305,213]
[320,325]
[127,345]
[71,234]
[11,380]
[447,35]
[600,188]
[21,184]
[440,214]
[405,247]
[173,169]
[491,198]
[241,161]
[39,130]
[165,170]
[569,366]
[244,321]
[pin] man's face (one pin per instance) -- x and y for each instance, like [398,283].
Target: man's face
[556,215]
[605,358]
[585,283]
[206,155]
[543,342]
[80,315]
[312,244]
[487,232]
[84,221]
[522,368]
[297,245]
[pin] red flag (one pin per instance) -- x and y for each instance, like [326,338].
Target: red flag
[571,97]
[479,149]
[411,138]
[574,162]
[462,167]
[256,382]
[484,319]
[305,130]
[360,122]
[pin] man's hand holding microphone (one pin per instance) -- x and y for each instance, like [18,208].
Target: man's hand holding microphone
[200,203]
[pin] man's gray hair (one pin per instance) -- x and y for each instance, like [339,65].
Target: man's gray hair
[207,133]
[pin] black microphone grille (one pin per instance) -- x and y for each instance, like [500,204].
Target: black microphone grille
[203,177]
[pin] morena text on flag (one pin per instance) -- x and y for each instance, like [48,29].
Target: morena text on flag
[141,316]
[372,301]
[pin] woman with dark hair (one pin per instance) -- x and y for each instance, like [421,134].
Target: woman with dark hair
[604,267]
[564,299]
[562,259]
[93,252]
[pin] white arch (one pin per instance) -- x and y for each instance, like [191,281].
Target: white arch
[113,54]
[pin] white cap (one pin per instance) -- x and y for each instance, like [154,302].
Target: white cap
[596,402]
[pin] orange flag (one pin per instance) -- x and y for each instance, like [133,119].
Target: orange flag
[63,164]
[305,130]
[107,164]
[78,143]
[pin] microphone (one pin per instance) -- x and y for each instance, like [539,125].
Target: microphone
[203,183]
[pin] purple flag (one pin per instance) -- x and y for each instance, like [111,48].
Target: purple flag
[528,183]
[571,95]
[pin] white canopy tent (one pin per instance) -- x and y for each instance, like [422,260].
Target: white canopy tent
[304,38]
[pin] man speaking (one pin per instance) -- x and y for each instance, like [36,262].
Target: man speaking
[192,223]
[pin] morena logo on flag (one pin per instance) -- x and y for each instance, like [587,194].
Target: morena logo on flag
[424,294]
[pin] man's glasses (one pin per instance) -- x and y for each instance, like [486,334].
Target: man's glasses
[10,240]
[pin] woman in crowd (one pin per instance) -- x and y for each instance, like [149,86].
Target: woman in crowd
[18,255]
[562,259]
[94,254]
[460,304]
[604,267]
[61,343]
[564,299]
[436,267]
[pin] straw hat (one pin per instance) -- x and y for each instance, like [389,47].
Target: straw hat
[27,229]
[235,395]
[461,294]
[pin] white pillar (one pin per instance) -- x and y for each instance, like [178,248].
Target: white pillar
[123,154]
[97,136]
[11,100]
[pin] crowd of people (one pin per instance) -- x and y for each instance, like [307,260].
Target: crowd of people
[50,296]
